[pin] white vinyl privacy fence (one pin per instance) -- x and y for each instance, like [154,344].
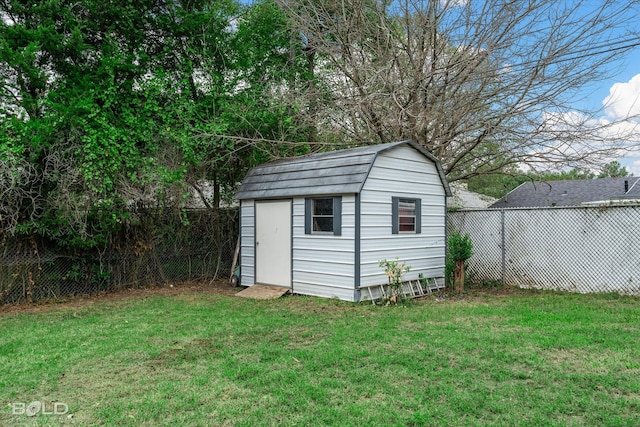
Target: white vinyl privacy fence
[582,249]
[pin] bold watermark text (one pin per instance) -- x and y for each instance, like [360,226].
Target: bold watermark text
[37,407]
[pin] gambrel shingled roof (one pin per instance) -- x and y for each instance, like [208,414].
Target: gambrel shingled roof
[570,192]
[333,172]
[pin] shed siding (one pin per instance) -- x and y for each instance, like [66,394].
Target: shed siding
[402,172]
[247,242]
[323,265]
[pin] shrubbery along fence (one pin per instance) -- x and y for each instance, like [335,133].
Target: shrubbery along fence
[584,249]
[155,248]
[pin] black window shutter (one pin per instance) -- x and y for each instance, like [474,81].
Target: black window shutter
[418,216]
[337,216]
[307,215]
[394,215]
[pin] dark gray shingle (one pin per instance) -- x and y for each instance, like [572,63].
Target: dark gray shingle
[333,172]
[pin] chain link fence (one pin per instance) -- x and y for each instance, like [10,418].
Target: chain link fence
[582,249]
[153,249]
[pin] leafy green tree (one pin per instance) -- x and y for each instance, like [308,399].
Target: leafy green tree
[495,185]
[110,106]
[459,249]
[85,106]
[255,119]
[572,174]
[613,170]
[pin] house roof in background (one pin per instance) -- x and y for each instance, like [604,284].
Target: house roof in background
[570,192]
[333,172]
[464,199]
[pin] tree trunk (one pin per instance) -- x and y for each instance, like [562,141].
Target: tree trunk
[458,279]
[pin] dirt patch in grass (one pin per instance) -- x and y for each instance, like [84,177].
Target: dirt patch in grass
[499,291]
[477,294]
[472,294]
[221,287]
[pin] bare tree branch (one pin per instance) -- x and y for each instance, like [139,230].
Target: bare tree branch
[484,85]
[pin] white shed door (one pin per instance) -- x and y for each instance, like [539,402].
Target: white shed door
[273,243]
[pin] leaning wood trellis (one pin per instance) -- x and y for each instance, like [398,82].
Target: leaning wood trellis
[410,288]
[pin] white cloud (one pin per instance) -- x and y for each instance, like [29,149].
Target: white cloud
[633,166]
[6,19]
[593,140]
[601,140]
[624,99]
[454,3]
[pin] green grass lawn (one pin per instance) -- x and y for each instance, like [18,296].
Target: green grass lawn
[208,359]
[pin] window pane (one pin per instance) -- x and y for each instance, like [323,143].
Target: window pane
[406,215]
[323,206]
[407,224]
[407,207]
[322,216]
[323,223]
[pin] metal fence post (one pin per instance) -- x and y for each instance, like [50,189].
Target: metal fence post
[504,250]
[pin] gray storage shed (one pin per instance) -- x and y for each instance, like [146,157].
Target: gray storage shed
[319,224]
